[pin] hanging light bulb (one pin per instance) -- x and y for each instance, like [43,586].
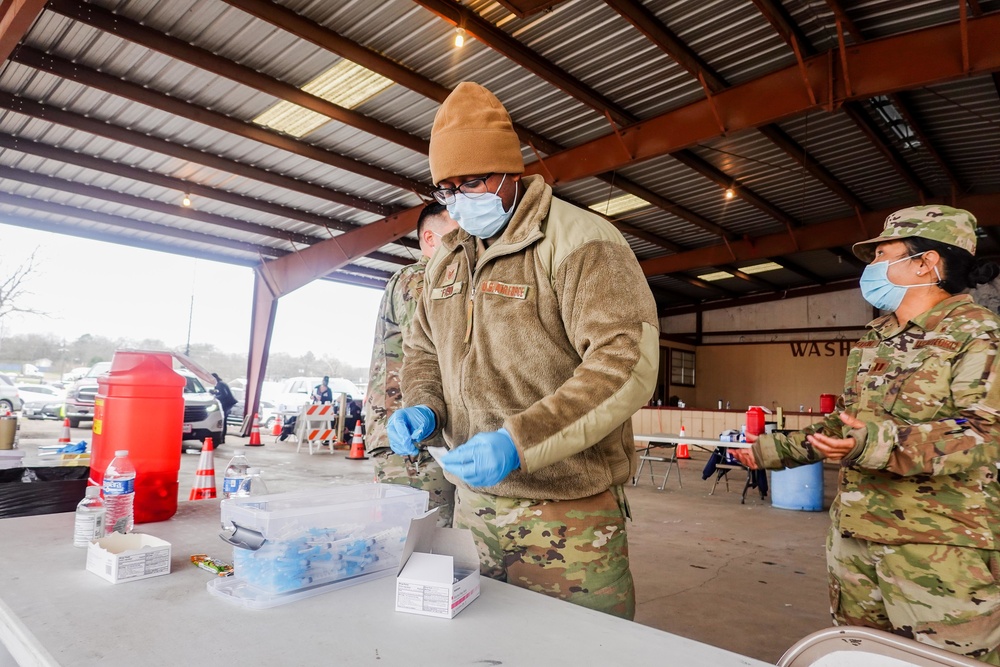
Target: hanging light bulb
[186,202]
[730,193]
[459,37]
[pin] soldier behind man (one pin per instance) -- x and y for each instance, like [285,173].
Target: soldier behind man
[914,544]
[383,396]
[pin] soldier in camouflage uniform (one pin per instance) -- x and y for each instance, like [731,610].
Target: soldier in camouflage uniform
[914,547]
[383,396]
[535,341]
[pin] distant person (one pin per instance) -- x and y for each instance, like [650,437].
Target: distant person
[227,400]
[321,393]
[383,396]
[353,415]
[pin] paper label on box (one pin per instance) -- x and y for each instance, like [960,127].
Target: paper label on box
[418,597]
[144,564]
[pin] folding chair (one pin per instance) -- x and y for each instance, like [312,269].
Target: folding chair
[671,462]
[722,471]
[874,648]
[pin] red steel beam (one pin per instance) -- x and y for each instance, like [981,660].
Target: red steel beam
[878,67]
[899,102]
[125,28]
[18,17]
[821,236]
[281,276]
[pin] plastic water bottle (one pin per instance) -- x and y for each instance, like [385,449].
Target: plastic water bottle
[89,523]
[254,484]
[236,473]
[119,494]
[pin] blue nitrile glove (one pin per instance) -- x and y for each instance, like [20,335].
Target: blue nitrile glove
[486,459]
[407,426]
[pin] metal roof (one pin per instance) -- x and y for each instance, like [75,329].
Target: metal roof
[112,110]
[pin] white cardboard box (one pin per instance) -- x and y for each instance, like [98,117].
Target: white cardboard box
[128,557]
[439,571]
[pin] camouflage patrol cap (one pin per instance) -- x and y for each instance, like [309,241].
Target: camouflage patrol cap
[953,226]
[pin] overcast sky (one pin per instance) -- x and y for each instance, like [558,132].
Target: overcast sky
[123,292]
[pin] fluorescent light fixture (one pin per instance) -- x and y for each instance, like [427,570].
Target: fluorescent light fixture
[761,268]
[619,205]
[718,275]
[346,84]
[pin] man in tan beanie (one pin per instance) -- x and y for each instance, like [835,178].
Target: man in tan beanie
[534,342]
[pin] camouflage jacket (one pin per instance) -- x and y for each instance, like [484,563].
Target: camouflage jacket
[395,314]
[925,466]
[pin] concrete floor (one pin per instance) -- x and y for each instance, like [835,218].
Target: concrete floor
[749,578]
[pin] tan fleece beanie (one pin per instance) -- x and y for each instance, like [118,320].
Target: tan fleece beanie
[473,135]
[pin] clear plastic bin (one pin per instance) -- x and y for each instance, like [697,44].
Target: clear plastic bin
[307,542]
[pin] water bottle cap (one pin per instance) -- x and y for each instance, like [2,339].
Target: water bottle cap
[93,491]
[121,452]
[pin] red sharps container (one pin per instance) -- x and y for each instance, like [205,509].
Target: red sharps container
[827,403]
[140,407]
[755,420]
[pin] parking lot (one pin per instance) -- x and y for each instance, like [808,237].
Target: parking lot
[749,578]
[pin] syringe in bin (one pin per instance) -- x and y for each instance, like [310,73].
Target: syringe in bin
[318,555]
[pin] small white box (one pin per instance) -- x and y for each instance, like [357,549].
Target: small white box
[128,557]
[439,571]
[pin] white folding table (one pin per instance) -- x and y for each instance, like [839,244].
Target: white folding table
[670,441]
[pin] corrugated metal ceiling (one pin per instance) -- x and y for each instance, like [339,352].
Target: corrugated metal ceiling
[91,160]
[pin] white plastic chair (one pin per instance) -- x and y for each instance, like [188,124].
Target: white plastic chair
[865,647]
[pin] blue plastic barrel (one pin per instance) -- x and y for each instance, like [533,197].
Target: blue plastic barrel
[798,488]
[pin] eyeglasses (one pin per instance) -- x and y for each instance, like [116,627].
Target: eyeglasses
[471,188]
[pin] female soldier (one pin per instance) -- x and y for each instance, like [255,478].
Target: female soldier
[914,545]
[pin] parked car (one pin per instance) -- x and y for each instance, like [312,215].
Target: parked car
[10,399]
[202,411]
[42,409]
[267,414]
[80,395]
[40,392]
[41,401]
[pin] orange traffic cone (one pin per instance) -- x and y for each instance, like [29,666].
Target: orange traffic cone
[357,445]
[682,448]
[255,433]
[204,481]
[276,427]
[64,438]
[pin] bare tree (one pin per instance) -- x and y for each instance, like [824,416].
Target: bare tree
[14,291]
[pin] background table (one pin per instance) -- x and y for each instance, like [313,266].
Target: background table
[54,612]
[670,441]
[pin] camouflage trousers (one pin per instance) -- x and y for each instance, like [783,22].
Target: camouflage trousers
[420,472]
[575,550]
[941,595]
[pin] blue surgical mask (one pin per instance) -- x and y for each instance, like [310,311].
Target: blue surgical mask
[481,215]
[881,292]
